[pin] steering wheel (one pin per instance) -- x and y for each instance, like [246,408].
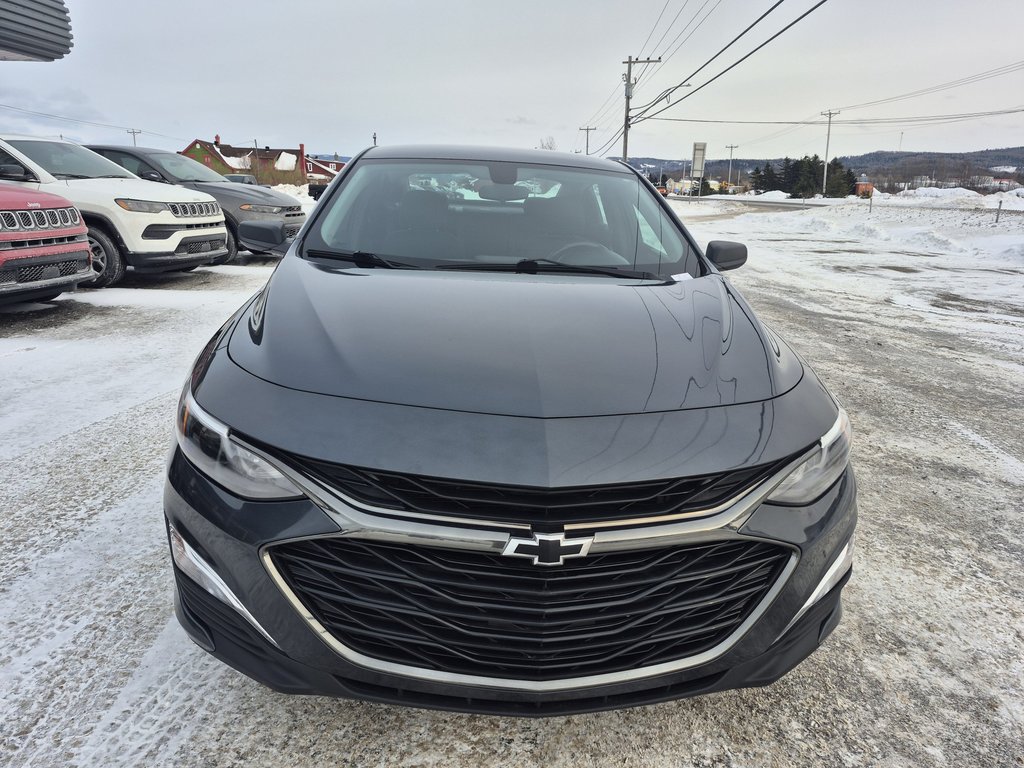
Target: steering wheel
[582,253]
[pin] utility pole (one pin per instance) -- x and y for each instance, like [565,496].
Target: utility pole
[730,147]
[628,78]
[828,139]
[588,130]
[255,164]
[134,132]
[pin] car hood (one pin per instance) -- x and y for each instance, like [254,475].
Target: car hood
[245,193]
[544,346]
[137,189]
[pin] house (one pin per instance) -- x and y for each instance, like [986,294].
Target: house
[863,186]
[269,166]
[323,170]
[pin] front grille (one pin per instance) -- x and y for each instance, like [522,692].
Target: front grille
[200,246]
[50,218]
[292,230]
[35,272]
[544,508]
[479,613]
[194,209]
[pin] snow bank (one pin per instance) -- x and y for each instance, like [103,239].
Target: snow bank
[775,194]
[300,193]
[285,162]
[936,192]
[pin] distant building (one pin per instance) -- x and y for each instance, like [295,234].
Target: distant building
[863,186]
[269,166]
[322,170]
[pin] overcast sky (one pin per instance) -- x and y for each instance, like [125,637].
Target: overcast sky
[473,71]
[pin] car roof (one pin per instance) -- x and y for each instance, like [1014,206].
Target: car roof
[493,154]
[123,148]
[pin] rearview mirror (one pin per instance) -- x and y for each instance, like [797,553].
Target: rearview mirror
[262,236]
[150,176]
[726,255]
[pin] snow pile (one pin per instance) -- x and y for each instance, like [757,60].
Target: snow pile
[238,163]
[285,162]
[1012,200]
[775,194]
[953,193]
[300,193]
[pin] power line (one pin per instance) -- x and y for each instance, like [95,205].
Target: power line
[793,23]
[968,80]
[669,91]
[654,27]
[855,121]
[667,56]
[84,122]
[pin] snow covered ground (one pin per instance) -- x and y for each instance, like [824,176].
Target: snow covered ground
[914,316]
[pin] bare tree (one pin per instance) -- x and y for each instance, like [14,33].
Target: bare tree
[548,143]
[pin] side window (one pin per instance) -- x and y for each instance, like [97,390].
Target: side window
[128,162]
[6,158]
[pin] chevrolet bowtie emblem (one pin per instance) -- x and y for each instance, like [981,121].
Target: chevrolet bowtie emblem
[548,548]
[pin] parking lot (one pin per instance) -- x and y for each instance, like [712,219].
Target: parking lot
[915,320]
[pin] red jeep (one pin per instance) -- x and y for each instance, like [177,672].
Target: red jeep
[43,246]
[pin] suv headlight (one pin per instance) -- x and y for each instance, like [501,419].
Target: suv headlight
[261,208]
[817,474]
[207,443]
[141,206]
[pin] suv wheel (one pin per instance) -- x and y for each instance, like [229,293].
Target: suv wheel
[232,246]
[107,262]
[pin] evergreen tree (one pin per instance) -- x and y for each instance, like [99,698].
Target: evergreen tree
[836,185]
[757,179]
[808,177]
[788,175]
[705,188]
[770,179]
[851,181]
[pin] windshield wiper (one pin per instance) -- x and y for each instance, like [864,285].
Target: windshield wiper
[534,266]
[111,176]
[363,259]
[72,176]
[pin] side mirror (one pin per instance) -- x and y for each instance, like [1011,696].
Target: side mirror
[150,176]
[14,172]
[262,236]
[726,255]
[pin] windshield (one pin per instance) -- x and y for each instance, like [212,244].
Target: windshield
[69,161]
[183,168]
[438,213]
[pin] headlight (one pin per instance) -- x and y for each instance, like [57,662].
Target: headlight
[141,206]
[207,443]
[261,208]
[816,475]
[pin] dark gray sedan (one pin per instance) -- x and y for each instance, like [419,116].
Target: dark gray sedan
[497,436]
[240,202]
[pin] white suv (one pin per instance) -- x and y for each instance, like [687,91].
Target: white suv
[132,223]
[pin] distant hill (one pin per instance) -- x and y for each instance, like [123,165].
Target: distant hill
[878,163]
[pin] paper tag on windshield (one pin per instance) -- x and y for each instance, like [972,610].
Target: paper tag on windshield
[683,276]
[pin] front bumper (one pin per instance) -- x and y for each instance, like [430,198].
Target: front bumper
[230,534]
[207,248]
[27,277]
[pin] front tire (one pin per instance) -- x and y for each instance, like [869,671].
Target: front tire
[232,246]
[107,262]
